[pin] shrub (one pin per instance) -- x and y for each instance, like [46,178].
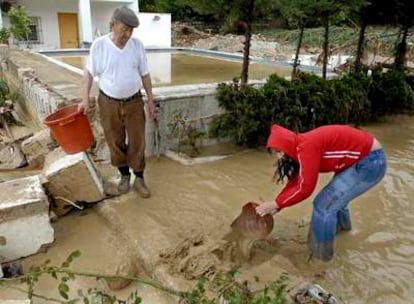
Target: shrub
[391,92]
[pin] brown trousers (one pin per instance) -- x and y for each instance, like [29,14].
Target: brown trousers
[124,129]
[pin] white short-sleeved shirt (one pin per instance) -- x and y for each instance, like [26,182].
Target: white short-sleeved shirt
[119,70]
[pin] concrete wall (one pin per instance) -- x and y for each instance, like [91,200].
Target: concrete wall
[154,29]
[40,101]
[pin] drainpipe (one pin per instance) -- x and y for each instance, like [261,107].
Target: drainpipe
[134,5]
[85,23]
[1,19]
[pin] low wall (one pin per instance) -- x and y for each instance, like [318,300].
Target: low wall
[37,99]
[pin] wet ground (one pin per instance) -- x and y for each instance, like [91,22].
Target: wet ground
[373,264]
[193,206]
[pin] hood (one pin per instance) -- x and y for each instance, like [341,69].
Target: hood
[284,140]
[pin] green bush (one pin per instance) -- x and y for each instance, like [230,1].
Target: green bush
[391,92]
[309,101]
[4,36]
[248,114]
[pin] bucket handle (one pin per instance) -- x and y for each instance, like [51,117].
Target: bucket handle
[69,119]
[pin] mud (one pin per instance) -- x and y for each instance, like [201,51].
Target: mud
[199,256]
[126,260]
[184,227]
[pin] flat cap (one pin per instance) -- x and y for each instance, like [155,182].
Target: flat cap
[126,16]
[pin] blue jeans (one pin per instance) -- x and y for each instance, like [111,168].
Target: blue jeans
[330,207]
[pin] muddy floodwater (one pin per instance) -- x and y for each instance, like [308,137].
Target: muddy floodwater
[193,69]
[374,263]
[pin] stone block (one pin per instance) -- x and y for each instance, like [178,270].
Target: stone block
[11,157]
[71,178]
[36,147]
[24,218]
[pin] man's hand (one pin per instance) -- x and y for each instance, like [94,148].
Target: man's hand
[87,105]
[267,208]
[153,112]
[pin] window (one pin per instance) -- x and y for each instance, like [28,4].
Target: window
[34,34]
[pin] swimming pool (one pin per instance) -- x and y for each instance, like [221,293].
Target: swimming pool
[182,66]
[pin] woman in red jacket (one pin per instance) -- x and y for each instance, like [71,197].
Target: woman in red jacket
[356,158]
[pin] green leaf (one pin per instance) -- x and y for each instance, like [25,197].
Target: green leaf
[63,295]
[63,290]
[65,264]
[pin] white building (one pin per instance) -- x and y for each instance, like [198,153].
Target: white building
[71,24]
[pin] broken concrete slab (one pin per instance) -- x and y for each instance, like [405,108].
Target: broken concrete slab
[11,157]
[24,218]
[36,147]
[71,178]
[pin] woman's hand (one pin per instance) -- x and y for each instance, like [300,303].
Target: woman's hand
[267,208]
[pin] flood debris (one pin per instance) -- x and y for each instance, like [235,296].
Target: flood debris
[11,156]
[36,147]
[307,293]
[12,269]
[24,218]
[71,178]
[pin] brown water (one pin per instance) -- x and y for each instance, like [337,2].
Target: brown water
[374,263]
[193,69]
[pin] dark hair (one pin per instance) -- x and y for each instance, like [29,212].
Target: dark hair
[285,167]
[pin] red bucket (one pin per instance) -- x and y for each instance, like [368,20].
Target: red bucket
[71,129]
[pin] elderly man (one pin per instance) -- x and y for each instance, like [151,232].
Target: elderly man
[119,60]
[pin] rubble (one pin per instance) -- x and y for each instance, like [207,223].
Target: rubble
[71,178]
[24,218]
[184,35]
[11,157]
[36,147]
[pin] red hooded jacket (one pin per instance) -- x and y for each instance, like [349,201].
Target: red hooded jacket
[331,148]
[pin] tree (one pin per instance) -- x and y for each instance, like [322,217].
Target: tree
[326,9]
[404,18]
[246,10]
[370,13]
[235,15]
[19,23]
[297,13]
